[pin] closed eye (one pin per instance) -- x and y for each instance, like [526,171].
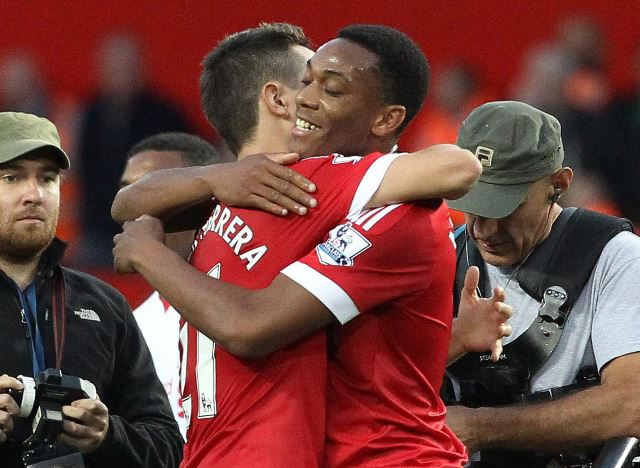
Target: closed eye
[333,93]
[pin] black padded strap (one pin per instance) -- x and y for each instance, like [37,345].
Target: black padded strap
[565,259]
[467,255]
[568,255]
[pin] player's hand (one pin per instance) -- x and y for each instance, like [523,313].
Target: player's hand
[8,406]
[482,323]
[88,427]
[135,234]
[263,181]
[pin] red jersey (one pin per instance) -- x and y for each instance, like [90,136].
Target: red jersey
[268,412]
[392,268]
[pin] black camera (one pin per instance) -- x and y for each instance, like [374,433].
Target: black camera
[43,398]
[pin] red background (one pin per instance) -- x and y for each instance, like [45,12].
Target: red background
[492,34]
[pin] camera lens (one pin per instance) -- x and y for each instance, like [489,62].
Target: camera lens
[26,397]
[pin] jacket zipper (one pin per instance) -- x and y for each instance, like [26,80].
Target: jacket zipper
[27,332]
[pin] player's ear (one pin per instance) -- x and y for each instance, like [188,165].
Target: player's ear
[389,120]
[274,98]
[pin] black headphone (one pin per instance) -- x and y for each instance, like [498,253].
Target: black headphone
[557,191]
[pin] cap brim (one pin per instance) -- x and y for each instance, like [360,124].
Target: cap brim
[491,200]
[16,149]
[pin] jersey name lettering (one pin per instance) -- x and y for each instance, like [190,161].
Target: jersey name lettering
[235,233]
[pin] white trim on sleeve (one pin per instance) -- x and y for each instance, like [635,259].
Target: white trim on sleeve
[370,183]
[329,293]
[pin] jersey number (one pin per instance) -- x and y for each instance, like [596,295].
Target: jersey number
[205,369]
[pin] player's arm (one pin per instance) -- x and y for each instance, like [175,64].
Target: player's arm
[247,323]
[584,419]
[439,171]
[183,195]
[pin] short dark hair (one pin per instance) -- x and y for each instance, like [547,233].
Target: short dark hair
[238,67]
[403,68]
[194,150]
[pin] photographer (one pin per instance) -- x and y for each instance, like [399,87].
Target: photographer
[54,317]
[567,378]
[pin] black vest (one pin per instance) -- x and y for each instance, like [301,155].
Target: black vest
[554,274]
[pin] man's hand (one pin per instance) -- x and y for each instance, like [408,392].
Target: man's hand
[263,181]
[8,406]
[481,323]
[135,234]
[89,425]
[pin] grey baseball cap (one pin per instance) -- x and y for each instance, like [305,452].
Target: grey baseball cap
[517,145]
[21,133]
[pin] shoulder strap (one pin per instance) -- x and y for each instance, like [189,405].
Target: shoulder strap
[557,272]
[554,274]
[568,255]
[467,255]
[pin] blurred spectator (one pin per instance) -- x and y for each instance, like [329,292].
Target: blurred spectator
[579,43]
[591,139]
[569,79]
[123,112]
[24,88]
[625,111]
[21,86]
[589,191]
[456,92]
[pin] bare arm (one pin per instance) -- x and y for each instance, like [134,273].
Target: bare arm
[248,324]
[584,419]
[439,171]
[255,181]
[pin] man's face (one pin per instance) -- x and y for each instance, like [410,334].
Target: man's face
[507,241]
[280,138]
[29,205]
[141,164]
[339,101]
[300,55]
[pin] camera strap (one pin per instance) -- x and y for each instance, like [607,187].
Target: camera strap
[29,307]
[59,317]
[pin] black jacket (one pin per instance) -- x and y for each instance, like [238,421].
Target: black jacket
[110,353]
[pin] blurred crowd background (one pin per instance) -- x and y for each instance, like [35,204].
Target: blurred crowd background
[109,74]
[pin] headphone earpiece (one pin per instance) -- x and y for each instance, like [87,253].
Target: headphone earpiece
[556,195]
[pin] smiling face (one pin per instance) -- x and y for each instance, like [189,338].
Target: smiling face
[339,102]
[29,205]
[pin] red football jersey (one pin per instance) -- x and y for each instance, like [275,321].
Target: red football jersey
[268,412]
[393,269]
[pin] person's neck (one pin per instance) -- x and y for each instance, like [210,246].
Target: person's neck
[259,146]
[22,273]
[378,146]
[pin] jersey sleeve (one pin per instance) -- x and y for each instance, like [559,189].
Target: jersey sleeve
[349,182]
[380,256]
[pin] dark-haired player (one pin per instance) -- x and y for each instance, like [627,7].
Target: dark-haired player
[342,75]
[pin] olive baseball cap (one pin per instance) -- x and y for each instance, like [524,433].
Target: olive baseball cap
[517,145]
[21,133]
